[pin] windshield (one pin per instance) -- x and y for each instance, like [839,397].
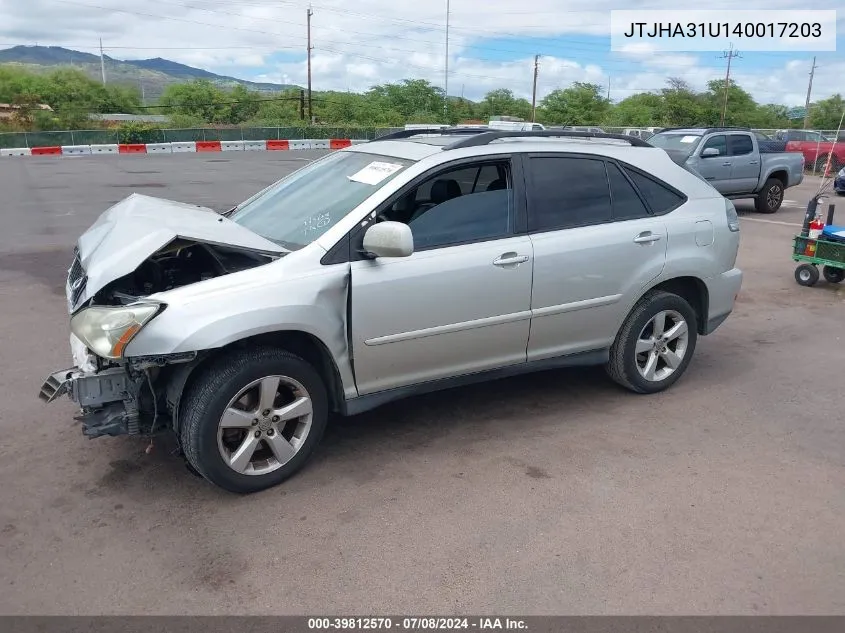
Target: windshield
[680,142]
[301,207]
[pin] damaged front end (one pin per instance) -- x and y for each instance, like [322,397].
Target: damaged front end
[140,247]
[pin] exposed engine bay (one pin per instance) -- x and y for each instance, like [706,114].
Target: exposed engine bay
[180,263]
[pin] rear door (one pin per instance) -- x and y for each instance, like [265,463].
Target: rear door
[745,164]
[716,169]
[595,246]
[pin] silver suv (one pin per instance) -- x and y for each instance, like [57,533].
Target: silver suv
[420,261]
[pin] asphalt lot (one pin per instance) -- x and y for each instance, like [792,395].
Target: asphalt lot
[551,493]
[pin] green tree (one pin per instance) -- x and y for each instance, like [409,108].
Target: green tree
[580,104]
[741,108]
[200,99]
[827,113]
[408,97]
[503,102]
[639,110]
[681,104]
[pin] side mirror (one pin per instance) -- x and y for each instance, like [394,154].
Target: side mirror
[710,152]
[389,239]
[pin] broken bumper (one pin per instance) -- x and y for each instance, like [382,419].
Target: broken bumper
[108,399]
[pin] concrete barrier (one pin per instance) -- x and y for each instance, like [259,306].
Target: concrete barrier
[232,146]
[16,151]
[208,146]
[159,148]
[339,143]
[358,141]
[183,146]
[299,144]
[54,150]
[278,145]
[104,149]
[255,146]
[75,150]
[132,148]
[319,143]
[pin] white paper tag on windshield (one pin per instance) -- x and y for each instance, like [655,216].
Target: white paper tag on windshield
[689,139]
[375,172]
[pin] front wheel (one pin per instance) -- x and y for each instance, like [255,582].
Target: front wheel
[253,418]
[770,197]
[833,275]
[655,344]
[807,275]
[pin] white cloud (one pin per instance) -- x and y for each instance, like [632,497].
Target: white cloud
[374,41]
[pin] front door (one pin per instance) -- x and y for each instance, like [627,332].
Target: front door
[596,245]
[461,303]
[716,169]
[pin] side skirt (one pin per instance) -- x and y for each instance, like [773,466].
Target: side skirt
[361,404]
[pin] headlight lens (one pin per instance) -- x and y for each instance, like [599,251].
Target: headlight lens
[841,173]
[107,331]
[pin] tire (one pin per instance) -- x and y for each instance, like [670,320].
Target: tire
[833,275]
[820,163]
[625,363]
[211,450]
[807,275]
[770,197]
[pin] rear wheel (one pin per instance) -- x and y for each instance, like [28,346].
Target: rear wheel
[770,197]
[833,275]
[655,344]
[807,275]
[253,418]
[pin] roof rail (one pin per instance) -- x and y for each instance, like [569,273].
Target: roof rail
[706,129]
[434,130]
[485,137]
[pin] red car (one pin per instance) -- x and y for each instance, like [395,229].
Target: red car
[816,148]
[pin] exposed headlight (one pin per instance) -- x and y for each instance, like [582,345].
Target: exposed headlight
[107,331]
[841,173]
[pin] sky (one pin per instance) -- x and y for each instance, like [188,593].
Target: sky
[491,44]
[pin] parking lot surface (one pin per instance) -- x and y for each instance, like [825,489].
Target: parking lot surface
[550,493]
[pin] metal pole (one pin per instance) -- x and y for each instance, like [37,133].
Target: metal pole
[534,91]
[809,90]
[446,67]
[310,110]
[102,62]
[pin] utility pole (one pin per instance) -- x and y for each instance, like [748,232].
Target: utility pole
[102,62]
[608,87]
[302,105]
[729,55]
[446,68]
[809,90]
[310,110]
[534,89]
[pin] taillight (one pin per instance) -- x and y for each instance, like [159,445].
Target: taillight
[733,218]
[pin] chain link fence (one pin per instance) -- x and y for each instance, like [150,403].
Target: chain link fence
[156,135]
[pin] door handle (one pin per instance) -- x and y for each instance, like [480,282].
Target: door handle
[726,164]
[510,259]
[646,238]
[752,162]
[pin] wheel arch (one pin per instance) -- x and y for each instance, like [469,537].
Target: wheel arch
[692,289]
[304,344]
[778,174]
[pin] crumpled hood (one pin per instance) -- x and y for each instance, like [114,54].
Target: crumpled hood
[137,227]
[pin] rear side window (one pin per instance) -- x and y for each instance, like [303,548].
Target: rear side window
[567,192]
[741,144]
[660,198]
[627,204]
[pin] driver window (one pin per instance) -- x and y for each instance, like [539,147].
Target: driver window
[717,142]
[465,204]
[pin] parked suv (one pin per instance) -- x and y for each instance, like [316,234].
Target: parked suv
[405,265]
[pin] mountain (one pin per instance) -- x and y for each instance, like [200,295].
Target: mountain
[151,75]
